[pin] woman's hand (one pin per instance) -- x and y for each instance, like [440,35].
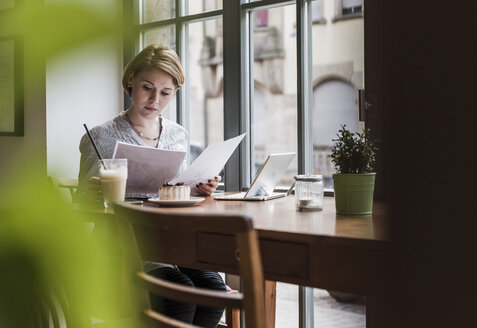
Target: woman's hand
[208,188]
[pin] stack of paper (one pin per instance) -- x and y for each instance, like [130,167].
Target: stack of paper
[149,168]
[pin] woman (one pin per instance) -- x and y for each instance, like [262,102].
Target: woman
[151,80]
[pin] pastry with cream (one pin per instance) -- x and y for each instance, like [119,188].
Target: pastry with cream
[174,192]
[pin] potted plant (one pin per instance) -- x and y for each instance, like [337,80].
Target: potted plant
[353,156]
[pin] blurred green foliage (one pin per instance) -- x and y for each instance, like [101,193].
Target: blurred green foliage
[55,27]
[45,250]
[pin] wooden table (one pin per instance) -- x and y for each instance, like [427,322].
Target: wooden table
[317,249]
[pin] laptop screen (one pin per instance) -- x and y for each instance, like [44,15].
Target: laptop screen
[270,174]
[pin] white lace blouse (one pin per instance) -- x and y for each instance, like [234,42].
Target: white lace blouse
[173,137]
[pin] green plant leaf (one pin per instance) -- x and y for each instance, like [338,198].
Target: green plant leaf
[353,152]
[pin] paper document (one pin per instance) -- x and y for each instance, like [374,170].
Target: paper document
[209,163]
[148,168]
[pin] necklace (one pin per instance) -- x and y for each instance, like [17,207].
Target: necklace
[139,132]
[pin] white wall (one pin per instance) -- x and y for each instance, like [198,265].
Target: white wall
[33,142]
[81,87]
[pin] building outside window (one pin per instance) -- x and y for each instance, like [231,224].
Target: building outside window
[261,18]
[338,73]
[317,15]
[273,98]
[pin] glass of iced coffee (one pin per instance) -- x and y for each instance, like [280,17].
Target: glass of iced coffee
[113,174]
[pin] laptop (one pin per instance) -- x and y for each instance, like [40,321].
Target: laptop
[266,180]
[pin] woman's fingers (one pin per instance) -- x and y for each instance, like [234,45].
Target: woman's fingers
[209,187]
[205,189]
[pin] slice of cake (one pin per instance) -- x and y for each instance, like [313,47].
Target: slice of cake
[177,192]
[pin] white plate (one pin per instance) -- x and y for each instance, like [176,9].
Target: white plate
[190,202]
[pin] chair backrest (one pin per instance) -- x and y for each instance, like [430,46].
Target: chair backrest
[166,236]
[63,183]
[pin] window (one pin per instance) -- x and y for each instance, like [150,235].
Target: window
[338,73]
[351,7]
[205,76]
[198,7]
[274,100]
[334,105]
[266,93]
[153,10]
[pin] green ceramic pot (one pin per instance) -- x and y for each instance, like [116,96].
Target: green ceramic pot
[354,193]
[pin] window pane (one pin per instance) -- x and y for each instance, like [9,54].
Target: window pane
[352,3]
[156,10]
[351,6]
[317,11]
[197,7]
[165,35]
[338,66]
[205,78]
[287,306]
[274,103]
[261,18]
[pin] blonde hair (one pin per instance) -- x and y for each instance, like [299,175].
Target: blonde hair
[157,56]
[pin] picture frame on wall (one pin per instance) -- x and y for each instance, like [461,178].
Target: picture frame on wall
[11,86]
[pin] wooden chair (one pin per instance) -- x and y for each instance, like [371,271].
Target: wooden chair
[70,184]
[152,234]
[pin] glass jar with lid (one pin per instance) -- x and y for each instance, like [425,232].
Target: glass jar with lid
[309,192]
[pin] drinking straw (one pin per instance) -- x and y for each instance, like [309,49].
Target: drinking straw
[94,145]
[291,188]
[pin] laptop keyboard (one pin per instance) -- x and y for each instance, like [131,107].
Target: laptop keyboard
[239,195]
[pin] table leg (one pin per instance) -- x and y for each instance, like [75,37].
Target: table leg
[233,282]
[306,307]
[270,302]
